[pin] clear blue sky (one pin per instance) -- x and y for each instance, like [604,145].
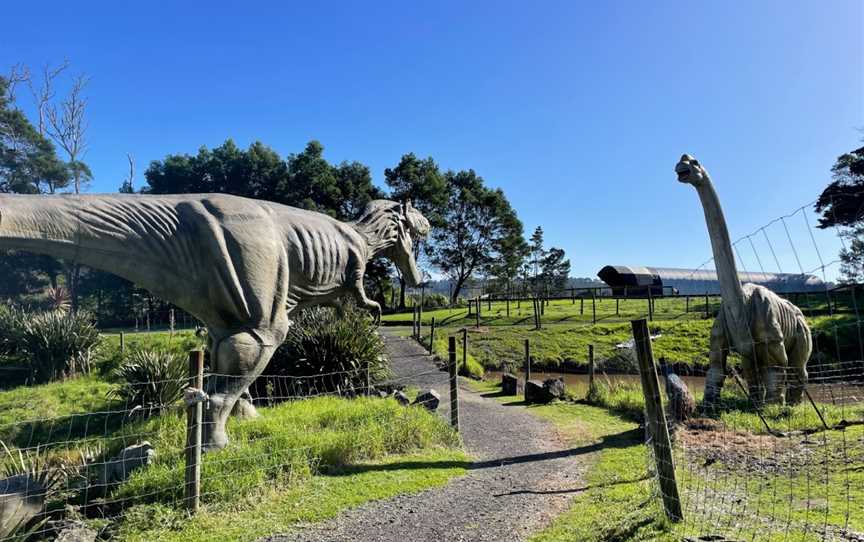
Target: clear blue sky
[578,110]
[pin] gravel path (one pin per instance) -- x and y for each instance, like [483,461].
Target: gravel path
[522,478]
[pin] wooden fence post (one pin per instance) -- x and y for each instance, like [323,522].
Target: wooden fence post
[477,314]
[508,305]
[432,337]
[593,308]
[454,383]
[527,362]
[706,305]
[659,431]
[650,305]
[616,306]
[194,415]
[122,343]
[465,349]
[590,368]
[687,304]
[581,305]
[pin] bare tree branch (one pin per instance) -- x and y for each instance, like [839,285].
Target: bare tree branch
[67,126]
[18,74]
[43,95]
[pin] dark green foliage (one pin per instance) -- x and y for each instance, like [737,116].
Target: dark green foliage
[329,352]
[52,344]
[56,344]
[152,379]
[842,205]
[303,180]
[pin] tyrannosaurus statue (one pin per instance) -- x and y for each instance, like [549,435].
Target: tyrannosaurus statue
[241,266]
[768,332]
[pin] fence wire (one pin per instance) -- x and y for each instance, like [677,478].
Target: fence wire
[99,465]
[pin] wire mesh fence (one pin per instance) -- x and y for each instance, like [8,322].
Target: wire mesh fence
[99,465]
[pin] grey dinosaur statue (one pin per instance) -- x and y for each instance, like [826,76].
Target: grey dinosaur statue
[768,332]
[241,266]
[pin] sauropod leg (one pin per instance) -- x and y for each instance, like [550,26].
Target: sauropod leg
[772,371]
[798,356]
[719,345]
[237,360]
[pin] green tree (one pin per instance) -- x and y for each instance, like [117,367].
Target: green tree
[554,269]
[28,161]
[841,205]
[475,222]
[28,165]
[536,248]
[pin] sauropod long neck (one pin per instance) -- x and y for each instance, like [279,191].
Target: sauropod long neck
[721,247]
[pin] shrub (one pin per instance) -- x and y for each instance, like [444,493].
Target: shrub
[152,379]
[327,352]
[11,329]
[57,344]
[431,300]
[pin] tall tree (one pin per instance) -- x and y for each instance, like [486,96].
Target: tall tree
[475,221]
[28,162]
[841,205]
[536,247]
[554,269]
[421,182]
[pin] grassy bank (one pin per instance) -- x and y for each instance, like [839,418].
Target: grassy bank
[552,346]
[298,461]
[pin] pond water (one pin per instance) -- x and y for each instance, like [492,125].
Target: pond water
[579,382]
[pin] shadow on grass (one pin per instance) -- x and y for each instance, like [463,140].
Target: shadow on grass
[624,439]
[573,490]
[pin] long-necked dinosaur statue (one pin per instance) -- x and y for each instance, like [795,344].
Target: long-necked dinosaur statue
[241,266]
[768,332]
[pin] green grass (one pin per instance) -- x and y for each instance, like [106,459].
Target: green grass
[685,341]
[613,501]
[619,503]
[281,460]
[299,461]
[30,415]
[562,310]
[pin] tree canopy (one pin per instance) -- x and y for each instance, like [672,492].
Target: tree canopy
[476,224]
[841,205]
[304,180]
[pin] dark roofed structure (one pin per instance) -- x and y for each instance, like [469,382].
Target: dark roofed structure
[638,279]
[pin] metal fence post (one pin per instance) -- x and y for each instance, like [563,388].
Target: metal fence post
[454,383]
[527,362]
[659,431]
[194,415]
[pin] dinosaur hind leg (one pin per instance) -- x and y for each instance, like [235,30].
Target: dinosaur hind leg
[773,371]
[238,359]
[799,355]
[719,346]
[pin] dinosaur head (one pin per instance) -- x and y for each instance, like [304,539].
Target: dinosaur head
[391,228]
[411,226]
[690,171]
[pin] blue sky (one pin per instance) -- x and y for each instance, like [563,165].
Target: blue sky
[577,110]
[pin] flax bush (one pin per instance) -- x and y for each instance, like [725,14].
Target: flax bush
[326,352]
[151,379]
[56,344]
